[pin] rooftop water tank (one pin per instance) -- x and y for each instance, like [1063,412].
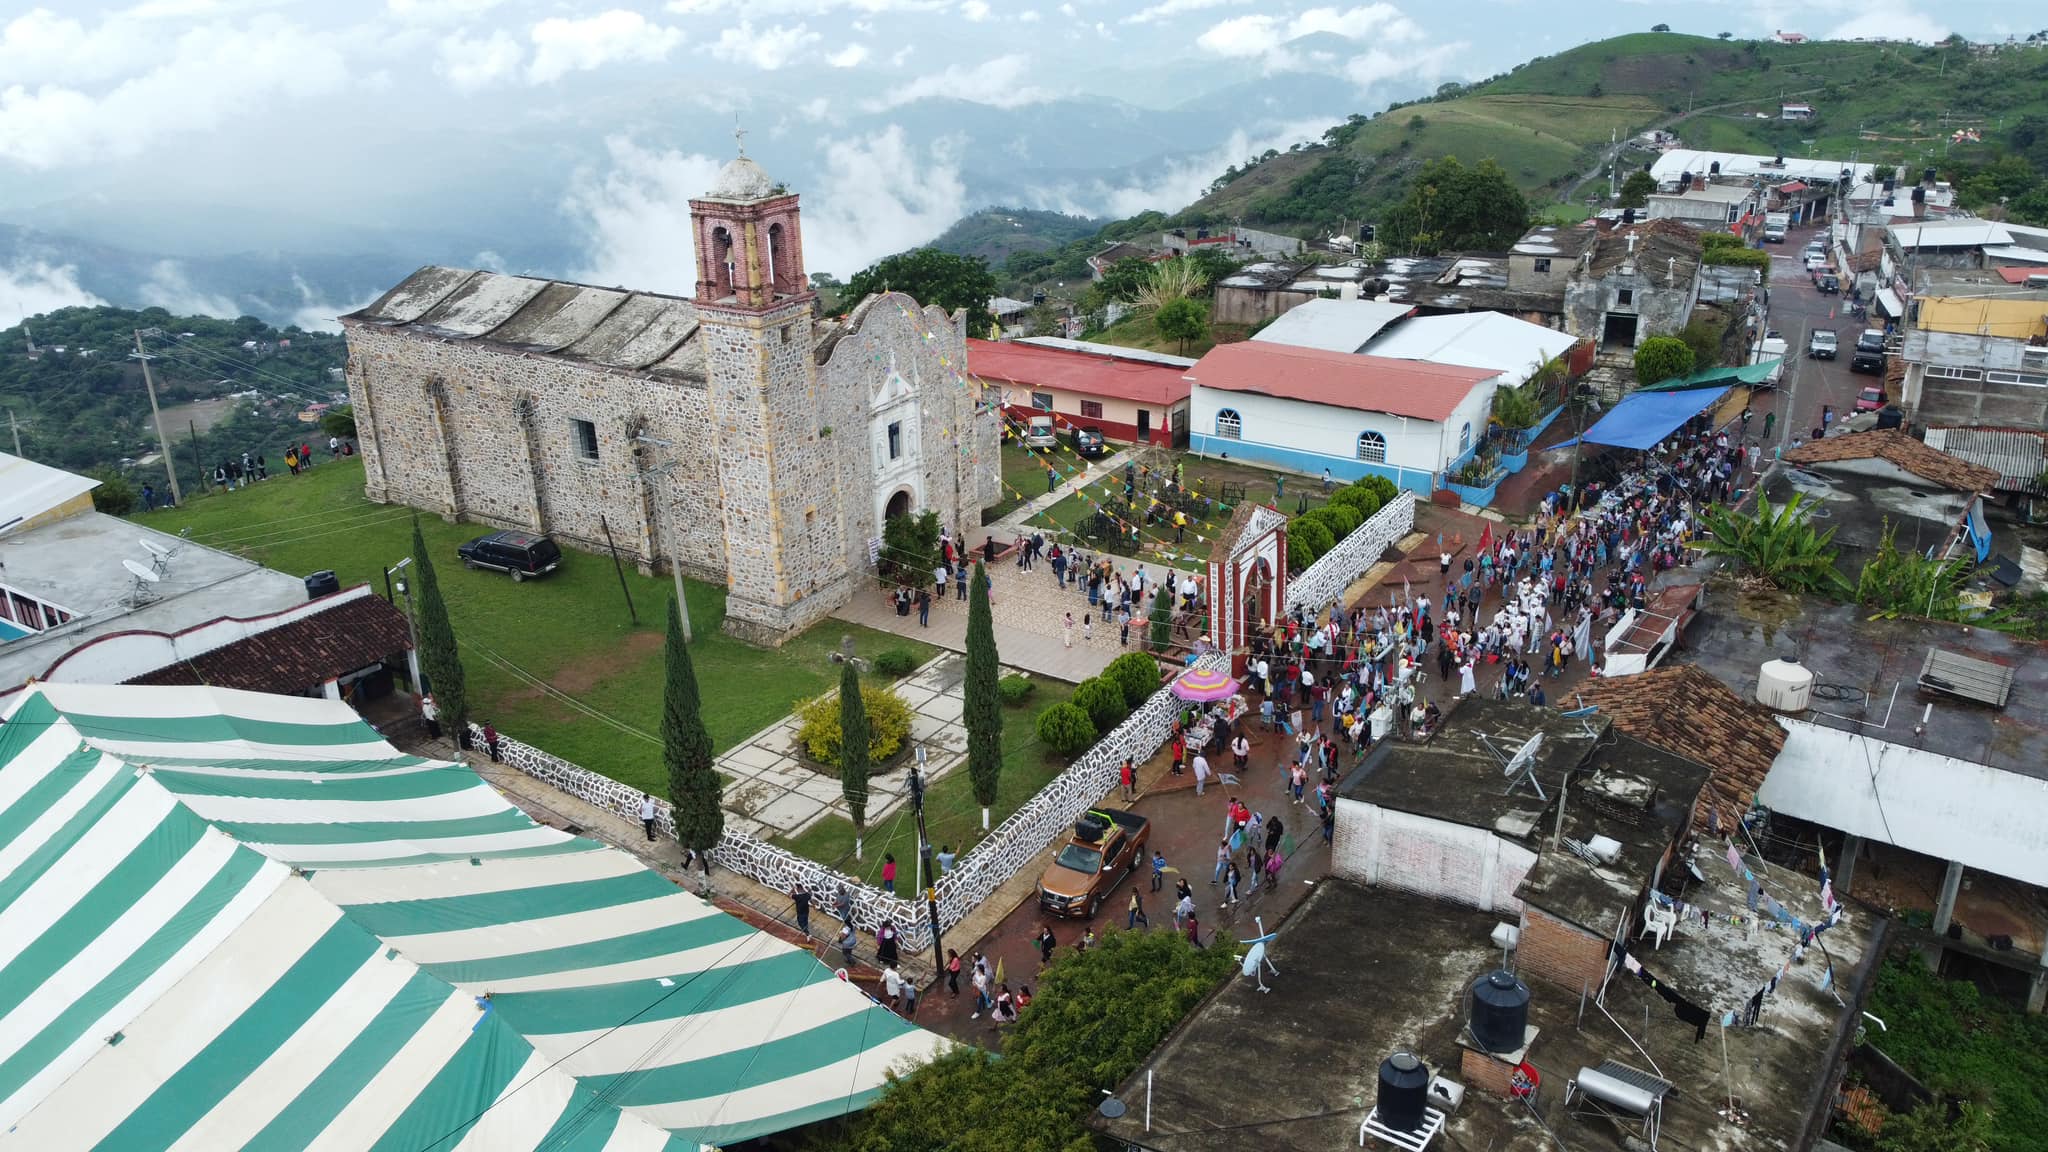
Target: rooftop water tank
[1784,686]
[1404,1091]
[1348,290]
[322,583]
[1500,1011]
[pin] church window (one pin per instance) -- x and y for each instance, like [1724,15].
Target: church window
[1372,447]
[896,440]
[1229,425]
[586,439]
[1042,401]
[1542,265]
[1625,297]
[1092,409]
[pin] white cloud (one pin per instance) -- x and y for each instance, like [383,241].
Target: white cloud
[438,11]
[697,7]
[1180,182]
[1890,20]
[316,313]
[1260,34]
[1028,16]
[562,46]
[1168,8]
[1068,11]
[897,57]
[879,194]
[767,49]
[170,289]
[470,64]
[974,10]
[999,83]
[816,108]
[37,286]
[848,56]
[1429,64]
[202,79]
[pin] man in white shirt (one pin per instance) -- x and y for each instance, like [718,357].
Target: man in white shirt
[647,814]
[892,986]
[1201,772]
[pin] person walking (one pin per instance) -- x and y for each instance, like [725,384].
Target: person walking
[1158,869]
[924,607]
[842,905]
[953,972]
[847,939]
[885,942]
[909,998]
[1127,775]
[892,987]
[1231,879]
[1067,631]
[1201,772]
[647,811]
[1194,929]
[1136,913]
[1046,942]
[889,873]
[960,581]
[1222,860]
[1184,912]
[801,897]
[148,498]
[491,742]
[430,713]
[981,1000]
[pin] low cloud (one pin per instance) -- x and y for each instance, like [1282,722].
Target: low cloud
[170,289]
[1167,9]
[316,313]
[877,195]
[999,83]
[469,64]
[848,57]
[1179,182]
[562,45]
[1890,20]
[767,48]
[974,10]
[31,287]
[1257,35]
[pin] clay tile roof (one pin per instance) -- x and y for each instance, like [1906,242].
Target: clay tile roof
[292,657]
[1683,710]
[1895,446]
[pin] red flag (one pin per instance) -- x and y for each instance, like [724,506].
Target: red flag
[1486,538]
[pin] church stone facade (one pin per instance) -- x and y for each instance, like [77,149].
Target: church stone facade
[734,434]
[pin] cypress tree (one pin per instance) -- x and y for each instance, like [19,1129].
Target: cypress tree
[440,662]
[1162,621]
[982,703]
[853,751]
[693,789]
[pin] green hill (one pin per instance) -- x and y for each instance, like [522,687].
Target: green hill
[1548,122]
[994,234]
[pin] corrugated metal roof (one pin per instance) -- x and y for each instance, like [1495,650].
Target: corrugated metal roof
[1084,373]
[2018,456]
[1475,340]
[29,489]
[1954,234]
[1412,388]
[1332,325]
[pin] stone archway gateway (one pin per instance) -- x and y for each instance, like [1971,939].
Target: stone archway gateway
[1247,579]
[899,505]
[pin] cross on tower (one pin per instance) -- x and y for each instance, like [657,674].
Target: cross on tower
[739,134]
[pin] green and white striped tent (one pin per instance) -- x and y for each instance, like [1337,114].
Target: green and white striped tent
[238,921]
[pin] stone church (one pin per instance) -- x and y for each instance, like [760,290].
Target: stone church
[735,434]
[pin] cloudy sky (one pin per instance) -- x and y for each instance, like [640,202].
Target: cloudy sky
[562,136]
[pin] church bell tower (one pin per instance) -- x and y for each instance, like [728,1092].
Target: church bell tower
[778,475]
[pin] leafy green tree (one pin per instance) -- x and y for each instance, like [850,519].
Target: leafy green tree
[339,421]
[930,276]
[1122,281]
[1160,626]
[1103,700]
[1777,546]
[1515,406]
[1935,1127]
[910,548]
[1635,191]
[1065,728]
[1137,674]
[1899,582]
[1705,338]
[982,701]
[693,790]
[1451,207]
[440,662]
[1182,320]
[1662,358]
[1214,262]
[116,494]
[853,751]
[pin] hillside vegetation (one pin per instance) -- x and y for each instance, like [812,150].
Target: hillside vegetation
[995,233]
[1548,122]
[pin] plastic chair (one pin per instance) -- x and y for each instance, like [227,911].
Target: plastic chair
[1660,922]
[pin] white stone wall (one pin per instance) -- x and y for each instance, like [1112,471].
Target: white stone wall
[1336,570]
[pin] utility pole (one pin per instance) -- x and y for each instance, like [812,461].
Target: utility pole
[924,855]
[163,443]
[15,424]
[621,568]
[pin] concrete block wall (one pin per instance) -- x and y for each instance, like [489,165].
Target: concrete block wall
[1559,952]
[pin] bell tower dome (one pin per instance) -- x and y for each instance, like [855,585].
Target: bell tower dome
[750,247]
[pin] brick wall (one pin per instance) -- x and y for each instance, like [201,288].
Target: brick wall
[1559,952]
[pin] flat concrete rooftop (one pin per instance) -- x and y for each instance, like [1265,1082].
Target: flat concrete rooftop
[1459,774]
[1364,972]
[76,564]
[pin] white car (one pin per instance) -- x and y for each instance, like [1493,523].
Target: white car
[1822,345]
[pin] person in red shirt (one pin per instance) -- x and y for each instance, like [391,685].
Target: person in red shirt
[1180,752]
[1129,775]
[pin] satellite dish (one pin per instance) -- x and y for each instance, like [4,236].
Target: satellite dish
[1524,757]
[154,549]
[140,571]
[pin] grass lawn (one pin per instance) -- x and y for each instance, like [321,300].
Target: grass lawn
[570,631]
[1023,478]
[1140,332]
[951,816]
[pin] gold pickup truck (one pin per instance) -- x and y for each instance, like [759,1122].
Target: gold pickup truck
[1106,846]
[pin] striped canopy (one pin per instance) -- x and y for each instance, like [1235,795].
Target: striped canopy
[1199,684]
[238,921]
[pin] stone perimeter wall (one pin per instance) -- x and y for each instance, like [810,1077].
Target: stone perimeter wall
[1326,579]
[992,863]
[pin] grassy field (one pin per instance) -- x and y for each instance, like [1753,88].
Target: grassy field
[1023,478]
[547,660]
[1140,332]
[951,815]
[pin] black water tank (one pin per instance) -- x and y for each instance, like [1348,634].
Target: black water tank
[1404,1091]
[1919,195]
[323,583]
[1628,215]
[1500,1011]
[1890,183]
[1684,181]
[1714,168]
[1928,175]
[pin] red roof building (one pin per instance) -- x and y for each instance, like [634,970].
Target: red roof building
[1416,389]
[1125,397]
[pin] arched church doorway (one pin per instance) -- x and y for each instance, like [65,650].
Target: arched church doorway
[899,505]
[1258,584]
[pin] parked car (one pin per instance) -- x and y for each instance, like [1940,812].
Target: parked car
[1830,284]
[519,553]
[1088,442]
[1869,352]
[1822,345]
[1870,399]
[1040,434]
[1107,845]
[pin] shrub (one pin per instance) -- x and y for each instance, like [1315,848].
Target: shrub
[888,725]
[1299,554]
[1015,688]
[1065,728]
[1312,536]
[1364,500]
[1381,487]
[1137,674]
[1662,358]
[1103,700]
[1340,519]
[116,495]
[896,662]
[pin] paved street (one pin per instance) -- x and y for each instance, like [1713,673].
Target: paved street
[1798,308]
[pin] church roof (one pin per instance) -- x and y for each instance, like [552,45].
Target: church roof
[609,327]
[742,179]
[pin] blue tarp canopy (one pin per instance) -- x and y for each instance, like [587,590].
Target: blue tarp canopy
[1644,418]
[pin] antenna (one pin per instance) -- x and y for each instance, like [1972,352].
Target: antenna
[160,556]
[1522,765]
[144,590]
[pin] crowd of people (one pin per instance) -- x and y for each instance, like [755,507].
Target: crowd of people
[254,467]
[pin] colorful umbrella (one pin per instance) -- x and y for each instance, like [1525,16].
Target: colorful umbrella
[1201,684]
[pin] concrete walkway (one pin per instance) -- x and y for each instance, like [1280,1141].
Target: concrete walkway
[1029,611]
[1018,516]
